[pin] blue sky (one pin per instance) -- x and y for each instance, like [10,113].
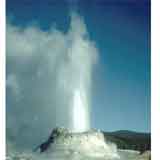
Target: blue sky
[121,32]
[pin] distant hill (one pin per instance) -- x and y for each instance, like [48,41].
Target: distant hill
[129,140]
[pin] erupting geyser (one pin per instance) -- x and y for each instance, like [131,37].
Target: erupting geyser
[62,84]
[74,78]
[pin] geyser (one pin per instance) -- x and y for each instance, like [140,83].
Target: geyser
[74,77]
[49,76]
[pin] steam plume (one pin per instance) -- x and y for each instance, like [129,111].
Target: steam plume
[74,75]
[49,76]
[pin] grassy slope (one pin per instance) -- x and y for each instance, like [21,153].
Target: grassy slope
[129,140]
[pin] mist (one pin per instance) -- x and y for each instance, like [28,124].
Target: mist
[48,81]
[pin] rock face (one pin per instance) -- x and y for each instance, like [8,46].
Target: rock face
[90,143]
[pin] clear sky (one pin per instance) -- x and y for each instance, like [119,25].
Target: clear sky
[121,32]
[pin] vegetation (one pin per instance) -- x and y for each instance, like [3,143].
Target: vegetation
[130,140]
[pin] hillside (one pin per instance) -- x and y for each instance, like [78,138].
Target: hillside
[129,140]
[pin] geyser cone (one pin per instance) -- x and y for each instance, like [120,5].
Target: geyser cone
[63,143]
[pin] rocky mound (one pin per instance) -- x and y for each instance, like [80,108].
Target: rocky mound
[61,141]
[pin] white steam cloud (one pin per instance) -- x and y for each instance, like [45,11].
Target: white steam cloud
[48,80]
